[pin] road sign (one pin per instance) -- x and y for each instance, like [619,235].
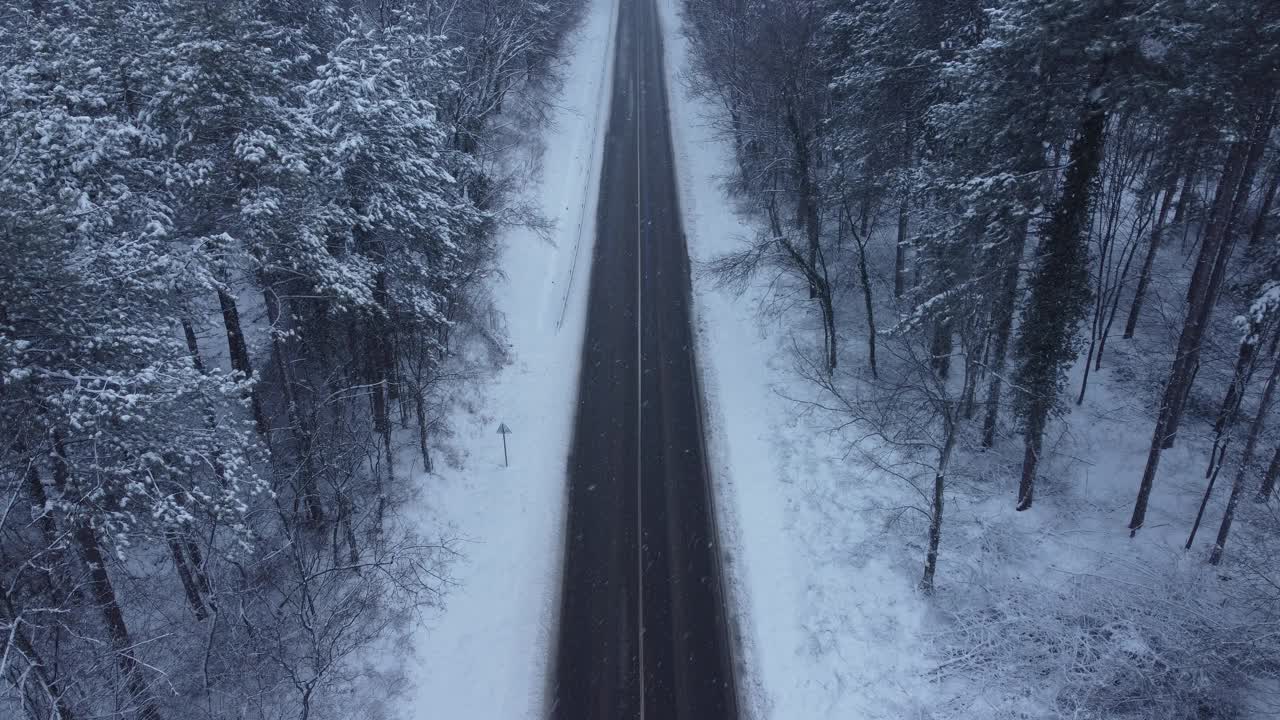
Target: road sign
[504,431]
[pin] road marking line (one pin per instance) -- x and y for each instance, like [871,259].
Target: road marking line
[635,83]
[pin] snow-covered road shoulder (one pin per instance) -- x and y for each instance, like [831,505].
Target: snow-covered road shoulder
[487,654]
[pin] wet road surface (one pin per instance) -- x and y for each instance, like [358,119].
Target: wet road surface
[642,631]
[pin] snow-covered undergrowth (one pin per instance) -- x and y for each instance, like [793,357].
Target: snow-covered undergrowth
[1152,644]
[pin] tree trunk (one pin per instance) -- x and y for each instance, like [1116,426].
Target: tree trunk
[829,324]
[1200,294]
[1184,197]
[104,596]
[1088,358]
[972,363]
[183,568]
[1005,308]
[1269,480]
[1239,201]
[42,509]
[819,284]
[239,352]
[939,487]
[900,252]
[864,277]
[808,202]
[1030,463]
[1105,312]
[1053,310]
[193,346]
[1115,306]
[1246,460]
[50,688]
[940,349]
[1144,276]
[869,307]
[1215,466]
[1246,361]
[381,363]
[1259,227]
[420,408]
[298,420]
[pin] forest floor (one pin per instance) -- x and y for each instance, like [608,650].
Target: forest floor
[824,548]
[486,652]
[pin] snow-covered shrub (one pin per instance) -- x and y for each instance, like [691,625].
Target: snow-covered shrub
[1140,643]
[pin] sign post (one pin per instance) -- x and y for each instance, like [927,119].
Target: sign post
[504,431]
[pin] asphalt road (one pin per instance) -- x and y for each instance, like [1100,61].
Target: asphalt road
[642,630]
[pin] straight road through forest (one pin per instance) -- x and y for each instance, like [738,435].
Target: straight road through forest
[643,632]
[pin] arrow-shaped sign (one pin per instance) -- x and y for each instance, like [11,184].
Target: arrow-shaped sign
[504,431]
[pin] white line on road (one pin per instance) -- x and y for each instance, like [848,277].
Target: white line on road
[635,85]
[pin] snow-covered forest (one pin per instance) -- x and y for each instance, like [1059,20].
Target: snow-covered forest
[1023,251]
[986,298]
[239,240]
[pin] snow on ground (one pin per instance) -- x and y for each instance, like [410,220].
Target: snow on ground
[822,562]
[486,654]
[827,621]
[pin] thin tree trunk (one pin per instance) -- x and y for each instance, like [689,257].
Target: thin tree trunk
[1107,296]
[104,596]
[198,570]
[940,349]
[1246,461]
[236,345]
[829,322]
[1115,307]
[972,364]
[420,408]
[869,307]
[1239,201]
[818,282]
[808,202]
[381,362]
[348,532]
[196,565]
[939,488]
[49,684]
[381,483]
[239,352]
[1144,276]
[1007,305]
[1192,329]
[298,420]
[1088,358]
[1246,362]
[1259,227]
[184,574]
[900,252]
[1106,244]
[1184,197]
[42,509]
[1215,468]
[864,278]
[1269,479]
[193,346]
